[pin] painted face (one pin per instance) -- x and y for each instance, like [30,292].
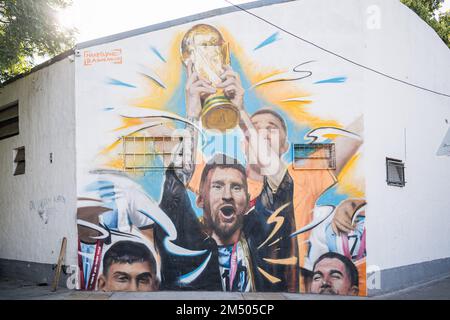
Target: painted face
[128,277]
[331,277]
[271,129]
[225,201]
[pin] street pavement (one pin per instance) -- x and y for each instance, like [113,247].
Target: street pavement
[22,290]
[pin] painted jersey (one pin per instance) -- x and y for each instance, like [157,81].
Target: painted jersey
[323,240]
[234,268]
[124,198]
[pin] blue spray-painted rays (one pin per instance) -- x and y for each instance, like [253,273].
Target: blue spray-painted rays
[273,38]
[332,80]
[115,82]
[158,54]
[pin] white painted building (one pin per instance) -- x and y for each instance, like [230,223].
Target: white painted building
[67,116]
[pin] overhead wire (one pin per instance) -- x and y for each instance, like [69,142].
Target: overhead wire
[336,54]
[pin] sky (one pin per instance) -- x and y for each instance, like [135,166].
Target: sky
[445,6]
[99,18]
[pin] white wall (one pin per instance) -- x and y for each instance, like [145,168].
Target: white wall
[47,125]
[404,225]
[411,224]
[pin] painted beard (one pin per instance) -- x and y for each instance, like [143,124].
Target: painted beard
[225,222]
[327,290]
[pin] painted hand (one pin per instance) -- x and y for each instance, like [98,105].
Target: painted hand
[342,220]
[232,87]
[196,90]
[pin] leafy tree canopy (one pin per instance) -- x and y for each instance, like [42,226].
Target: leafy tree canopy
[29,28]
[428,10]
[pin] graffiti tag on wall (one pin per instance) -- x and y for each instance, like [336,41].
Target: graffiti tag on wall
[47,206]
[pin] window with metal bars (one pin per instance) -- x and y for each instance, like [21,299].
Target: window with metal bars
[395,172]
[9,120]
[152,153]
[314,156]
[19,161]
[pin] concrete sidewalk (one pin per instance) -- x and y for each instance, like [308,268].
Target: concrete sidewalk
[20,290]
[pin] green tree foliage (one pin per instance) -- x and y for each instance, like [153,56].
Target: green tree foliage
[428,10]
[29,28]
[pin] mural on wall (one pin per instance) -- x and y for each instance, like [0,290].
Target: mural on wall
[211,172]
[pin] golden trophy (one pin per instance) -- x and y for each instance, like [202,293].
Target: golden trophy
[209,53]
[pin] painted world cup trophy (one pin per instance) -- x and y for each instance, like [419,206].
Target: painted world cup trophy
[205,47]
